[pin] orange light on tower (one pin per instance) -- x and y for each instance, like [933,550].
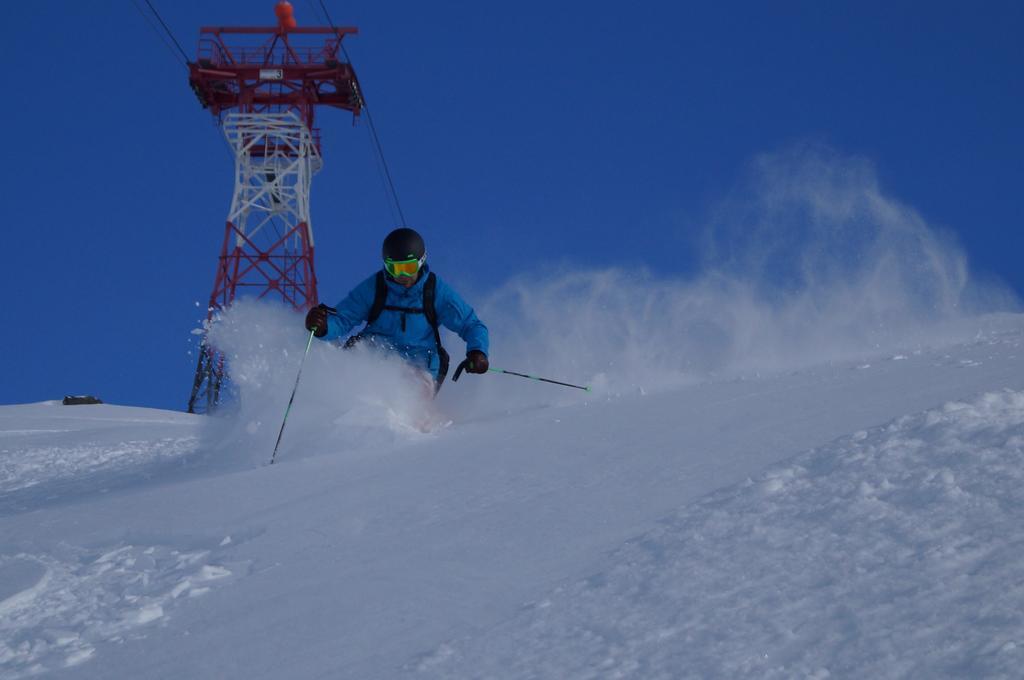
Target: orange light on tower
[285,14]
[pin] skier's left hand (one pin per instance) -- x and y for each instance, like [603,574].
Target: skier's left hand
[476,362]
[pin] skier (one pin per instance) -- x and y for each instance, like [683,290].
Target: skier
[402,305]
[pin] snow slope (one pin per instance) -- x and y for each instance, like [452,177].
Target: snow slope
[893,552]
[852,519]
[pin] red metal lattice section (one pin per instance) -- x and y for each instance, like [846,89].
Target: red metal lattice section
[276,269]
[259,70]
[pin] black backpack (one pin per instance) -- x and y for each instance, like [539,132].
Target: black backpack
[428,310]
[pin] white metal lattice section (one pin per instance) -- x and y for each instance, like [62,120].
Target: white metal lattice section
[275,160]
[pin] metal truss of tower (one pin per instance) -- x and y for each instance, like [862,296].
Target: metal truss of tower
[265,96]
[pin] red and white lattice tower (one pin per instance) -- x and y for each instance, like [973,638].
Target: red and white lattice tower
[264,85]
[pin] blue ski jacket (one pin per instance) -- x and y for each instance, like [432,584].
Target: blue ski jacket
[412,337]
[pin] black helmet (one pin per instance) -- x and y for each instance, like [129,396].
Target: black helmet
[403,244]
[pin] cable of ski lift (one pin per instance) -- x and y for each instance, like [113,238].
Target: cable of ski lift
[370,123]
[166,28]
[160,35]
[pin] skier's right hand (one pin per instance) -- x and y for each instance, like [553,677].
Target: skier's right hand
[316,318]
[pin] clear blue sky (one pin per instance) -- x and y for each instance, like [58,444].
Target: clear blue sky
[534,130]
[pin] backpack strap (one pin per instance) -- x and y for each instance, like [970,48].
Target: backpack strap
[430,311]
[380,297]
[429,295]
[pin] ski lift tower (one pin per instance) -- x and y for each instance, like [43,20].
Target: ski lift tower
[263,86]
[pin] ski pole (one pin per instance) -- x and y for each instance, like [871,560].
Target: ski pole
[294,389]
[533,377]
[462,367]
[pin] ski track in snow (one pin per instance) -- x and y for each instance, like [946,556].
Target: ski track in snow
[891,553]
[69,452]
[28,466]
[57,607]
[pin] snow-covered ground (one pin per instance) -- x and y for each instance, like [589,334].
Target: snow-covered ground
[891,552]
[860,518]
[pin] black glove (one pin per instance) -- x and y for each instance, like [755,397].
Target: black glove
[476,362]
[317,318]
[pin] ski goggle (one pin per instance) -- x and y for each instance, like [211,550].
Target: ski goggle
[408,268]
